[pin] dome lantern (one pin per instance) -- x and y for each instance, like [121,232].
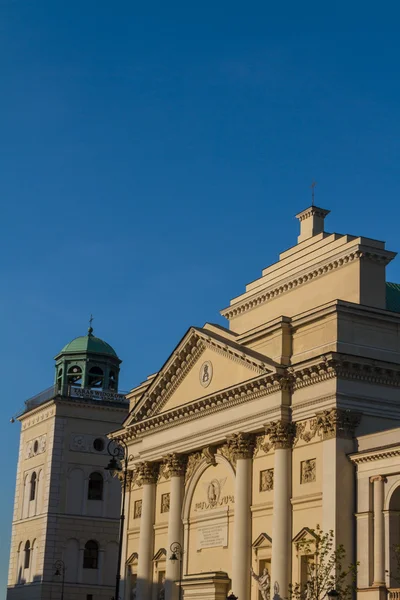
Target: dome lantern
[87,362]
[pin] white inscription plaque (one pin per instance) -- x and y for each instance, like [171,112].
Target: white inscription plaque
[211,536]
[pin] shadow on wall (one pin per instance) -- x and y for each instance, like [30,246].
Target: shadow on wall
[136,589]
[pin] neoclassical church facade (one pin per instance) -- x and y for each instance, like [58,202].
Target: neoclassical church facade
[248,436]
[251,435]
[67,505]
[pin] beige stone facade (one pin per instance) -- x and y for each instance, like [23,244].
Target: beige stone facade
[378,513]
[243,439]
[67,506]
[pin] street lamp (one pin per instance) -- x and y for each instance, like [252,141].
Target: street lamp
[231,597]
[333,594]
[119,464]
[59,567]
[177,552]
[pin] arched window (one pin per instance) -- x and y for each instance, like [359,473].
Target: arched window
[33,486]
[91,555]
[27,559]
[59,379]
[74,375]
[95,491]
[112,381]
[95,377]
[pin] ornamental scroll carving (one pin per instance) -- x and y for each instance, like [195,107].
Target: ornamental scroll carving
[193,460]
[281,434]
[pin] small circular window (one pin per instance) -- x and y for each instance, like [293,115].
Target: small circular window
[98,444]
[36,446]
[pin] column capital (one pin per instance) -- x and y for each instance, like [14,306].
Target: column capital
[337,422]
[147,472]
[376,478]
[241,445]
[281,434]
[174,465]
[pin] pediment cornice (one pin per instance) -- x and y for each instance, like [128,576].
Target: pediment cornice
[181,362]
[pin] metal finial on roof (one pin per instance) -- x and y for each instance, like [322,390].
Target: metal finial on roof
[90,330]
[314,183]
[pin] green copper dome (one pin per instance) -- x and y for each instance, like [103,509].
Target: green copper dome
[89,343]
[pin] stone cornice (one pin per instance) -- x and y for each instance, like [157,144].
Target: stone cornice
[347,367]
[312,372]
[255,388]
[289,283]
[374,454]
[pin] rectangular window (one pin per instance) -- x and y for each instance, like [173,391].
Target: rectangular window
[89,596]
[307,568]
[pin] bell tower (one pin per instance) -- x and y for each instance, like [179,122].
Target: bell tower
[87,363]
[67,506]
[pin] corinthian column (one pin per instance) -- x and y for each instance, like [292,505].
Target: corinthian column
[281,436]
[379,529]
[175,466]
[147,475]
[241,447]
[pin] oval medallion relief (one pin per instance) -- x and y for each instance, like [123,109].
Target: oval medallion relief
[206,373]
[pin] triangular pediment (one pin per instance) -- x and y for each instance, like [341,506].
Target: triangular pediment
[304,535]
[205,362]
[133,559]
[263,541]
[161,554]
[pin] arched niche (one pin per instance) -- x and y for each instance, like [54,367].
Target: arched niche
[393,531]
[208,513]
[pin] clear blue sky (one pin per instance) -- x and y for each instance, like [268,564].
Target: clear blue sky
[153,156]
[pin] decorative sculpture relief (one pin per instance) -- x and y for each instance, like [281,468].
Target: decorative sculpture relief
[263,582]
[209,455]
[266,480]
[261,444]
[165,502]
[193,460]
[137,509]
[206,373]
[35,447]
[308,471]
